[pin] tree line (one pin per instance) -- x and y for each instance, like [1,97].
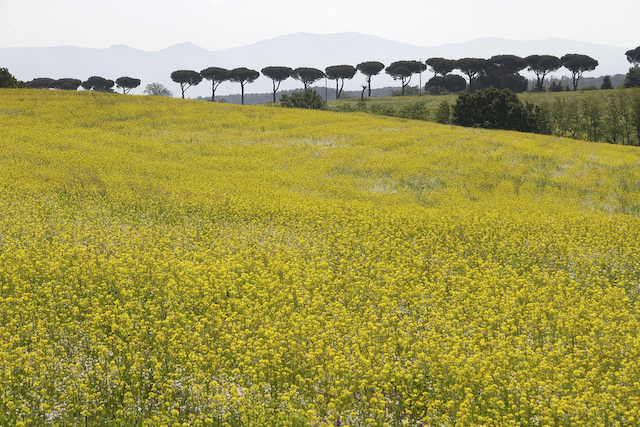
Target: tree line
[306,75]
[499,71]
[612,117]
[95,83]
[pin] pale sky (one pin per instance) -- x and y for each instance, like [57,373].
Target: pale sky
[218,24]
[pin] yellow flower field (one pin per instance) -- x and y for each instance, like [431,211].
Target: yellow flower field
[182,263]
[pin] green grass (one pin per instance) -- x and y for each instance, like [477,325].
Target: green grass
[432,101]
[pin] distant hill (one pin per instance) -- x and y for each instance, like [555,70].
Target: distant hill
[293,50]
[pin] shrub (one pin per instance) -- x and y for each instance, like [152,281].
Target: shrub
[383,110]
[309,99]
[443,113]
[348,107]
[415,111]
[492,109]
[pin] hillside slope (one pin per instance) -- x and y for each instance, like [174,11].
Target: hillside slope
[376,150]
[168,262]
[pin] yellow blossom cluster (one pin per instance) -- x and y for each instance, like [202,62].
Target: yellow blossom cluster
[180,263]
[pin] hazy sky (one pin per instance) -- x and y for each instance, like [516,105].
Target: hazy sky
[219,24]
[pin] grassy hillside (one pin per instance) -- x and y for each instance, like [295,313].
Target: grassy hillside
[432,101]
[169,262]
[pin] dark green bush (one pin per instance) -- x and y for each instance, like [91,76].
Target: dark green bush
[309,99]
[493,109]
